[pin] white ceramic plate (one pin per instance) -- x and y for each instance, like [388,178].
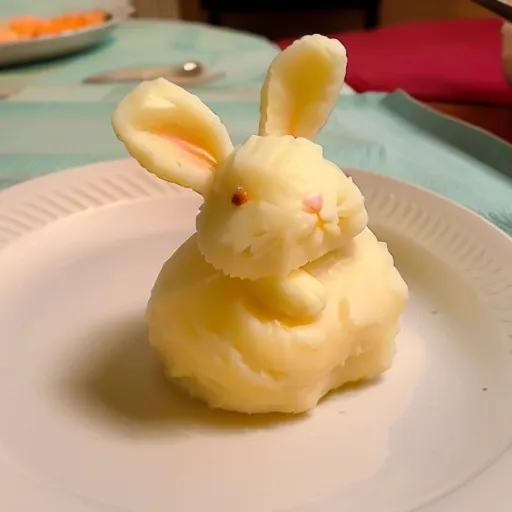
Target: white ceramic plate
[88,423]
[32,50]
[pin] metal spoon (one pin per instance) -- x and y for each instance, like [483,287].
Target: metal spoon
[190,68]
[187,73]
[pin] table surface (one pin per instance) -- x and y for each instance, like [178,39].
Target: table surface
[495,119]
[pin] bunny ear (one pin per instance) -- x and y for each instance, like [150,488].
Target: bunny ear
[172,134]
[302,86]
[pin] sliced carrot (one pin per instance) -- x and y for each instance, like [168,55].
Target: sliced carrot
[29,26]
[7,35]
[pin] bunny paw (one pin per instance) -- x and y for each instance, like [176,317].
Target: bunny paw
[298,295]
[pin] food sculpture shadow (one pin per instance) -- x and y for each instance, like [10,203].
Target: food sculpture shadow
[283,293]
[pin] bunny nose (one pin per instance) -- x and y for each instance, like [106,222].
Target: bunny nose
[314,204]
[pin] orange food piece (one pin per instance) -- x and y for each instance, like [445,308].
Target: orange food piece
[96,17]
[24,26]
[7,35]
[47,28]
[29,26]
[22,21]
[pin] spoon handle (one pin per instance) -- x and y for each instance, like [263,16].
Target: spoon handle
[127,75]
[194,81]
[139,74]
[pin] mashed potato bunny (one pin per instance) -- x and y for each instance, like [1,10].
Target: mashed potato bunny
[283,293]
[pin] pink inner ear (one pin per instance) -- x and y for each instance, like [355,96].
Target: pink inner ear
[201,155]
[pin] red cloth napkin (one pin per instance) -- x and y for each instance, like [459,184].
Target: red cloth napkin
[447,60]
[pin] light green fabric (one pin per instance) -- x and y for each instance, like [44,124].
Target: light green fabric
[55,122]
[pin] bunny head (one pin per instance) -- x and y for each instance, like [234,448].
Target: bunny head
[273,203]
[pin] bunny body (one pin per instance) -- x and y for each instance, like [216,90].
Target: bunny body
[228,347]
[283,293]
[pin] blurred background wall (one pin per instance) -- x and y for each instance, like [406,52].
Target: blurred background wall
[291,22]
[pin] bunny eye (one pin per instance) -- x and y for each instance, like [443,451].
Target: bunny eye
[240,197]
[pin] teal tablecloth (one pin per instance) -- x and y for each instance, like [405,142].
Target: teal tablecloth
[56,123]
